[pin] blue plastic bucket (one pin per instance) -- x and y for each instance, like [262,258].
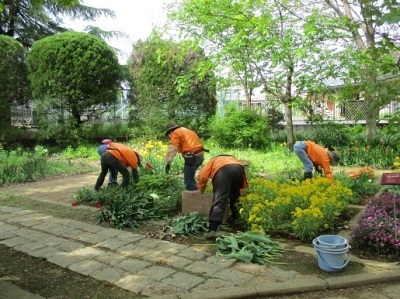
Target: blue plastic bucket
[331,241]
[332,261]
[330,248]
[333,252]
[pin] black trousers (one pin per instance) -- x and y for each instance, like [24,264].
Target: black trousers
[227,182]
[108,162]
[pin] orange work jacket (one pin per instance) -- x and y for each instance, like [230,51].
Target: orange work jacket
[185,140]
[124,154]
[211,168]
[319,156]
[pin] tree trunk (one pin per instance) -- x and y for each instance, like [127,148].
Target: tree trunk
[289,125]
[371,117]
[5,116]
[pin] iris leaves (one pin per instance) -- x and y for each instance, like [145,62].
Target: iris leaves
[249,247]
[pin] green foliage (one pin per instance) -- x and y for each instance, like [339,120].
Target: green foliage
[70,73]
[82,151]
[242,128]
[168,84]
[274,119]
[249,247]
[189,224]
[32,20]
[361,187]
[379,156]
[13,78]
[327,134]
[110,130]
[22,165]
[167,186]
[153,197]
[11,136]
[126,208]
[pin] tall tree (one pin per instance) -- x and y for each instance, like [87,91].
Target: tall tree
[70,73]
[30,20]
[169,85]
[13,77]
[369,32]
[262,40]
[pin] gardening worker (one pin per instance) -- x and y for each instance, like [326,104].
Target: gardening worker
[228,177]
[314,155]
[119,157]
[112,178]
[187,143]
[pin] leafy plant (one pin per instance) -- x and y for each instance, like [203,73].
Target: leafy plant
[153,197]
[128,209]
[189,224]
[89,197]
[361,186]
[249,247]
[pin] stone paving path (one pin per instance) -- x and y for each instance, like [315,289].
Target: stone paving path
[142,265]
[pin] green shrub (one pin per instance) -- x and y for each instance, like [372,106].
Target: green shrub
[240,129]
[327,134]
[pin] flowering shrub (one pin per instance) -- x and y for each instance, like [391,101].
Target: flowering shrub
[304,208]
[378,228]
[154,153]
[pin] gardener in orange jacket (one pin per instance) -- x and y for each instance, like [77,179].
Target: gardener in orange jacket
[187,143]
[113,177]
[228,177]
[118,157]
[314,155]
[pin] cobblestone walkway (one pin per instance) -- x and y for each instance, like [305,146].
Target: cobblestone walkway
[142,265]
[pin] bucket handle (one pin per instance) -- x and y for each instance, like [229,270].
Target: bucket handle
[333,267]
[316,244]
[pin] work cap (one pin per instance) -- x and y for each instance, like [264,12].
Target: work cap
[335,157]
[170,127]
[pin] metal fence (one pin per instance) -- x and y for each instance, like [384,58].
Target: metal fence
[346,112]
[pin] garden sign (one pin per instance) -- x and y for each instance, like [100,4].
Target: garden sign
[390,179]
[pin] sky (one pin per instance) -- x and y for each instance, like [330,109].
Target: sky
[136,18]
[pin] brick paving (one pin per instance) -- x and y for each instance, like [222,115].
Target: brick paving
[147,266]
